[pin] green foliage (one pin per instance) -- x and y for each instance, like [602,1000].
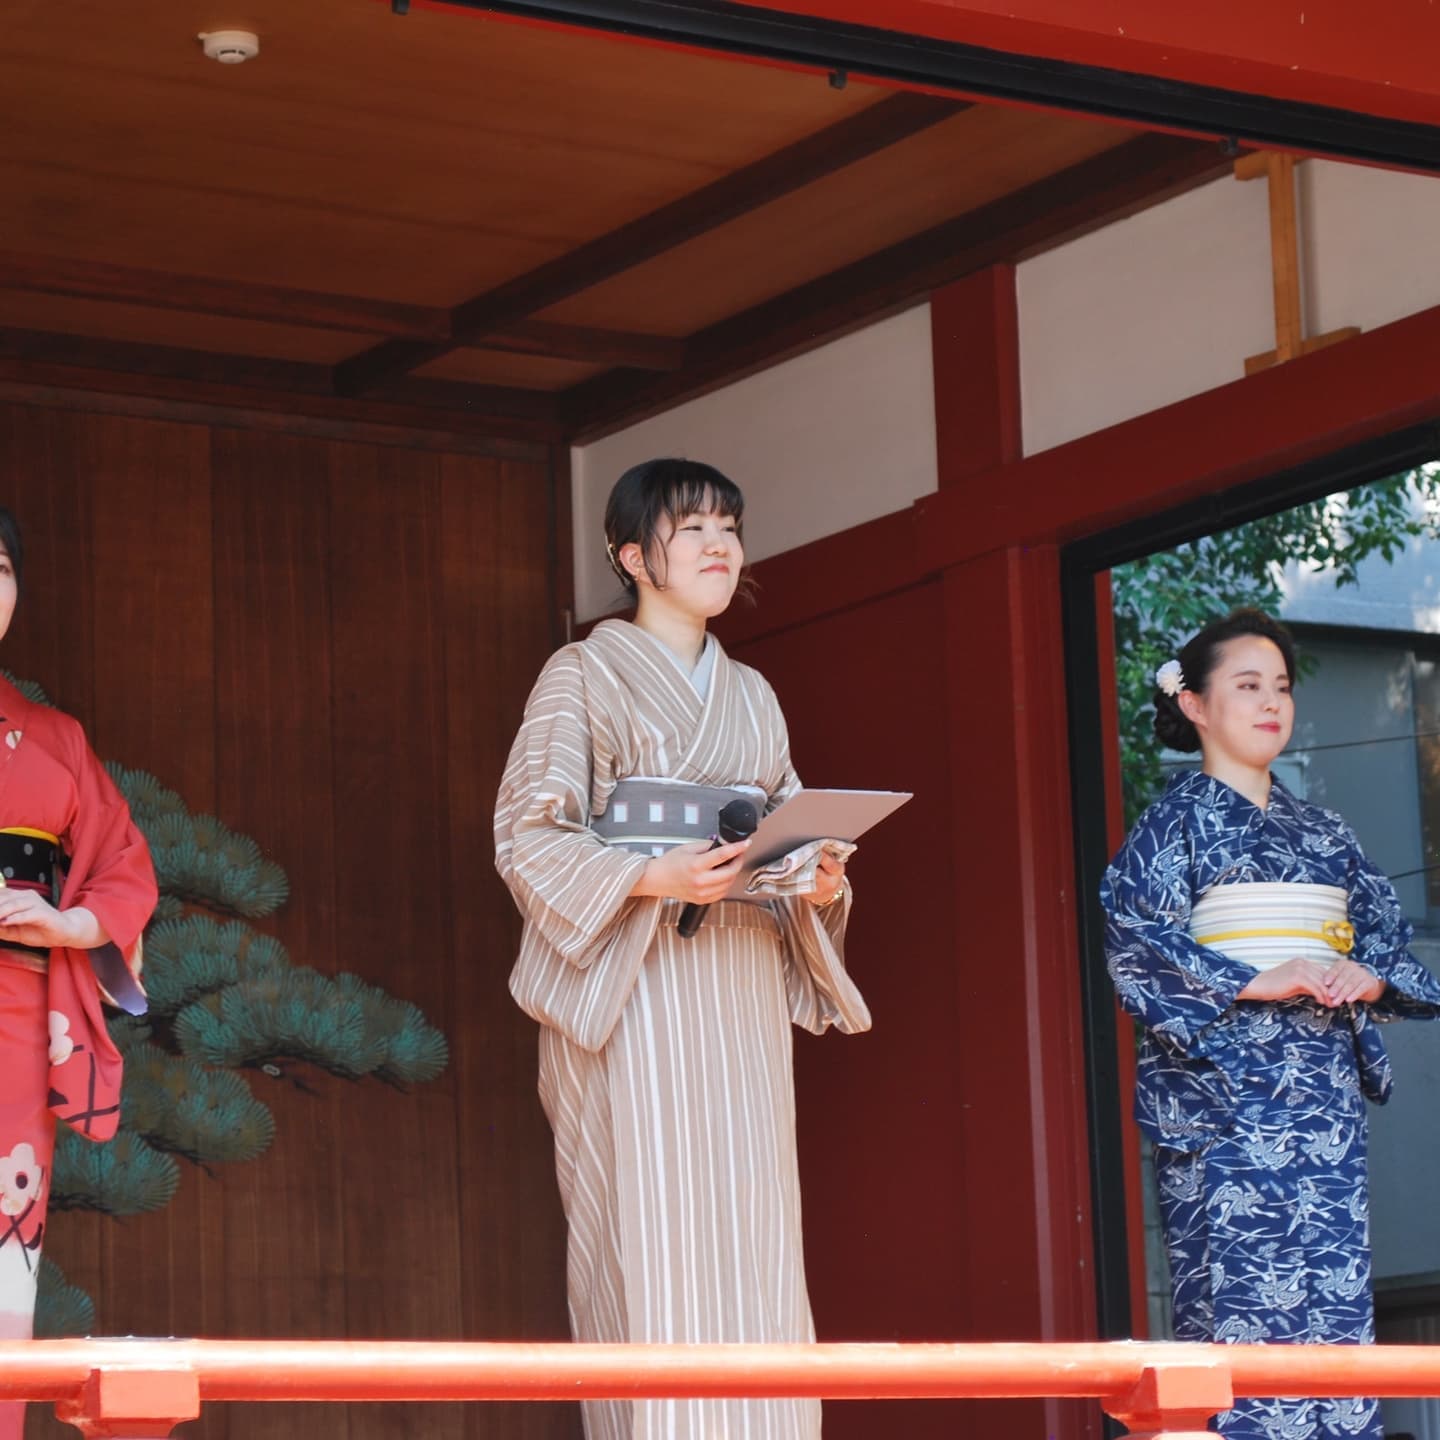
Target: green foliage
[124,1176]
[195,956]
[62,1310]
[343,1026]
[199,860]
[206,1116]
[1163,599]
[224,998]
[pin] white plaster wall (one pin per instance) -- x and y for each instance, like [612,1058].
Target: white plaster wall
[1144,312]
[1169,302]
[1369,237]
[818,444]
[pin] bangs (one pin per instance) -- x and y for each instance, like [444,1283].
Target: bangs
[652,498]
[691,494]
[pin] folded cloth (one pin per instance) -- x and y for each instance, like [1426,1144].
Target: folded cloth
[1264,923]
[794,872]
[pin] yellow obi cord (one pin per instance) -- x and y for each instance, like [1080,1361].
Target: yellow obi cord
[1339,935]
[29,833]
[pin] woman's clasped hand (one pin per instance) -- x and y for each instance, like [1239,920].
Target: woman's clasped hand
[1340,983]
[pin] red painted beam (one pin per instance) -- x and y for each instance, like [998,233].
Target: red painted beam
[975,344]
[1321,52]
[1385,380]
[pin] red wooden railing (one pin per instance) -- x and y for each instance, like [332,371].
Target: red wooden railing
[140,1389]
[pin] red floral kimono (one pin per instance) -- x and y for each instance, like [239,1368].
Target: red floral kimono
[56,1055]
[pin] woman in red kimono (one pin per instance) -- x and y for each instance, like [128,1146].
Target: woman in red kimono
[76,888]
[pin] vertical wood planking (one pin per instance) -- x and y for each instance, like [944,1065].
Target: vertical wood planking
[497,626]
[154,702]
[46,461]
[393,924]
[283,1232]
[46,469]
[154,707]
[328,645]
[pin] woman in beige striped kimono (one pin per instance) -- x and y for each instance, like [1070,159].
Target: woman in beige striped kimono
[665,1062]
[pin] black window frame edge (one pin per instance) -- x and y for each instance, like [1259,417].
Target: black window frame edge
[1081,563]
[847,49]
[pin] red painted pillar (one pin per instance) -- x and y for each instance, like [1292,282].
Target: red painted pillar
[1124,1026]
[976,348]
[1027,1256]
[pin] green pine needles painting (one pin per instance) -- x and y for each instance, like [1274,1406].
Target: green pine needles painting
[225,1000]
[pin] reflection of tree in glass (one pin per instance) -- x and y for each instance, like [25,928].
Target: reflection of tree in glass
[1163,599]
[224,999]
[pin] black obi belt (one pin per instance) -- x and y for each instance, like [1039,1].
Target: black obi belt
[651,816]
[31,860]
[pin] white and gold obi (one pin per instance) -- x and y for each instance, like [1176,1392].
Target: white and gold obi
[1265,923]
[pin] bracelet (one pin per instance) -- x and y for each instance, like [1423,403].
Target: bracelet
[838,895]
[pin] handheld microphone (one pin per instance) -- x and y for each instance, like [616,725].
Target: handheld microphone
[737,820]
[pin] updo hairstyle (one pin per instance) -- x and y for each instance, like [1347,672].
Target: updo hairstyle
[1198,660]
[657,490]
[10,539]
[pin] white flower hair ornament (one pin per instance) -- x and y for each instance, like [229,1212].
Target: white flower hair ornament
[1170,678]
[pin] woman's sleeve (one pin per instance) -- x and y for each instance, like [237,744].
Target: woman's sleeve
[115,876]
[1382,941]
[569,885]
[1176,988]
[820,989]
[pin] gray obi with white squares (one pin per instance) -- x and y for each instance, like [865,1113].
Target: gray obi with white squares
[651,816]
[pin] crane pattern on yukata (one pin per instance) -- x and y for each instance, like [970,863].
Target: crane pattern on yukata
[1256,1108]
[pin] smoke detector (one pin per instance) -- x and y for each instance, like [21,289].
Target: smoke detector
[230,47]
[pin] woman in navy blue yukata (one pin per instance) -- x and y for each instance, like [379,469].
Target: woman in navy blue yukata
[1258,947]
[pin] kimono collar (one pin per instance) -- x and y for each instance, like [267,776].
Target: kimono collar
[710,652]
[1195,787]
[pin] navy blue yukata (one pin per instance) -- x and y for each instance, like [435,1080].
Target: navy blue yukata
[1256,1108]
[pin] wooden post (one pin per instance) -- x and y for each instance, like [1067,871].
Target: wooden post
[1284,256]
[1290,341]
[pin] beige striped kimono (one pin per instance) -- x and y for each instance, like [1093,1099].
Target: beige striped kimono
[665,1064]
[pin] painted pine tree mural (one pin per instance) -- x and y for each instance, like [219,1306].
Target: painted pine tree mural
[227,1002]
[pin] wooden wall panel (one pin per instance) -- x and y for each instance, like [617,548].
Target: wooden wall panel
[154,663]
[46,468]
[392,913]
[154,707]
[327,643]
[493,514]
[274,772]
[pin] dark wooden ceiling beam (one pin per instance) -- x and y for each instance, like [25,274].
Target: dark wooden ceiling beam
[1063,206]
[63,387]
[589,344]
[318,310]
[850,140]
[205,295]
[274,385]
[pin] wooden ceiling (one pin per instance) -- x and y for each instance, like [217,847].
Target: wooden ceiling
[445,219]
